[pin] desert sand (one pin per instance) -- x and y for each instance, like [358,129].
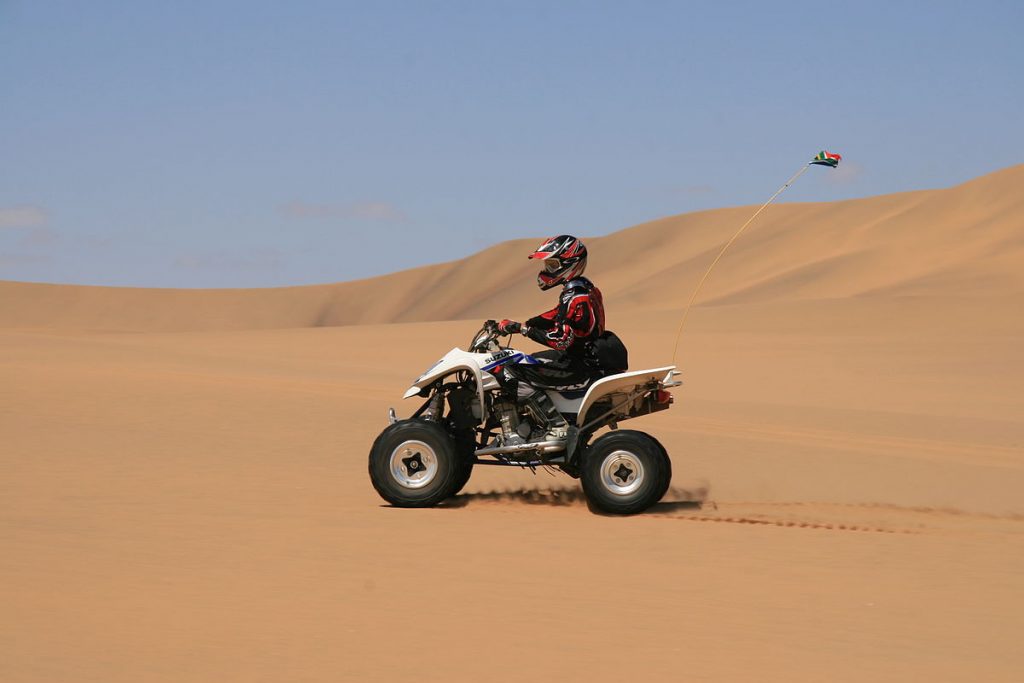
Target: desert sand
[184,494]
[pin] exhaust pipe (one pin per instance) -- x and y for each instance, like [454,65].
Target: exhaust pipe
[540,446]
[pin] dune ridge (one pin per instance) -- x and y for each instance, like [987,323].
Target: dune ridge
[966,240]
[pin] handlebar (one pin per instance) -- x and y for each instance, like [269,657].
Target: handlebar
[487,335]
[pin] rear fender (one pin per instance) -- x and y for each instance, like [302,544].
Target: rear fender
[624,383]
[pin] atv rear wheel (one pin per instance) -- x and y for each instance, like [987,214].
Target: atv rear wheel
[413,463]
[668,464]
[625,472]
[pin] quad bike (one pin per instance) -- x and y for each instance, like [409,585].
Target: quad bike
[468,419]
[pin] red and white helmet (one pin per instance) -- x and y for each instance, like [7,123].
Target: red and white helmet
[564,257]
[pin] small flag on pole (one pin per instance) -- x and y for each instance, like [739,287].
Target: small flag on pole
[826,159]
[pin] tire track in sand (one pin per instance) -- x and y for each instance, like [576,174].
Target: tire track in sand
[695,506]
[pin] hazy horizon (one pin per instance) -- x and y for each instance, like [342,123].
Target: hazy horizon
[253,145]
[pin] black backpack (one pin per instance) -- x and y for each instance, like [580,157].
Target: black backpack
[610,353]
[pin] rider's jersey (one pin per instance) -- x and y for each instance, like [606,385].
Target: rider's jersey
[577,319]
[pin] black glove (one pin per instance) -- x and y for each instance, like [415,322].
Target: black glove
[509,326]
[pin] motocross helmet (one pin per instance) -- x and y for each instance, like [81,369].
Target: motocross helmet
[564,257]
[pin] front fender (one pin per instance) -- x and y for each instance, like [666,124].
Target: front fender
[454,361]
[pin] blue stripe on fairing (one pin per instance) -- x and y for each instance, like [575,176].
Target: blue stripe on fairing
[530,360]
[501,361]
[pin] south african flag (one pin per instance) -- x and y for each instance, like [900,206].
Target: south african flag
[826,159]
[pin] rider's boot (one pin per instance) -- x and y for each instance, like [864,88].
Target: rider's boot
[542,406]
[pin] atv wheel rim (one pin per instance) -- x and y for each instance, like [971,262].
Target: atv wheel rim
[622,473]
[413,464]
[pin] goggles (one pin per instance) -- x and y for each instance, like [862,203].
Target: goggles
[552,265]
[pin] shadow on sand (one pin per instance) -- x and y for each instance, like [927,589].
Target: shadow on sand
[675,499]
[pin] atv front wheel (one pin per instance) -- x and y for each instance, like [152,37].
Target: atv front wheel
[413,463]
[465,472]
[625,472]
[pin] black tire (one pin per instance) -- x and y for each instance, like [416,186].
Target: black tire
[668,465]
[465,471]
[413,464]
[625,472]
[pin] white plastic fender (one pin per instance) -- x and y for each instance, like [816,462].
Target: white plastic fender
[623,383]
[456,360]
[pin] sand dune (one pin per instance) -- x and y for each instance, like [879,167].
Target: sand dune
[966,240]
[184,494]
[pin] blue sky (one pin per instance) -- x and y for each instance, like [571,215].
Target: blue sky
[239,144]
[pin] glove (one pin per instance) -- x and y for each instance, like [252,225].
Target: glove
[509,327]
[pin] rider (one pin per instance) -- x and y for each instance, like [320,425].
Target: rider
[568,329]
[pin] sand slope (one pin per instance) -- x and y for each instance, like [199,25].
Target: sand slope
[195,507]
[183,489]
[966,240]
